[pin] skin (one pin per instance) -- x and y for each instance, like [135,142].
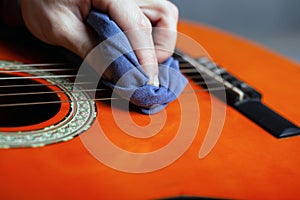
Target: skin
[62,23]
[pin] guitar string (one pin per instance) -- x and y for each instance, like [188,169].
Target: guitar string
[183,62]
[4,65]
[51,92]
[191,70]
[201,83]
[43,85]
[40,77]
[10,71]
[93,99]
[185,70]
[77,91]
[55,102]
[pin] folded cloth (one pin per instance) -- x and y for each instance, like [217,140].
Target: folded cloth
[129,80]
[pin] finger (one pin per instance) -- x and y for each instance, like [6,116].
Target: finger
[138,30]
[164,16]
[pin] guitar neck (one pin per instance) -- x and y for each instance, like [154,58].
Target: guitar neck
[236,93]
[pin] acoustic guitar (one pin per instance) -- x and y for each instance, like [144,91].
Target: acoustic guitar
[231,134]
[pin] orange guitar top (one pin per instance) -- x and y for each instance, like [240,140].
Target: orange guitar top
[246,162]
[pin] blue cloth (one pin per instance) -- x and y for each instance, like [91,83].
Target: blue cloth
[129,80]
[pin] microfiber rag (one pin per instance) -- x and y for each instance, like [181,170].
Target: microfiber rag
[129,80]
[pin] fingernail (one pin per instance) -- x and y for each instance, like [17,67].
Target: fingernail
[154,82]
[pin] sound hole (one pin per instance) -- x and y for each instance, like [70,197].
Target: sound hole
[17,111]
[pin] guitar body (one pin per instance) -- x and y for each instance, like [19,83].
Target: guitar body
[246,162]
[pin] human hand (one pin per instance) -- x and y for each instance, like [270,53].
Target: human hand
[62,23]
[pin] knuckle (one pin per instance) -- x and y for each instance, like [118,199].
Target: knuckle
[163,55]
[143,22]
[169,9]
[173,9]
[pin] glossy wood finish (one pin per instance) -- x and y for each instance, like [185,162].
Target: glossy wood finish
[246,163]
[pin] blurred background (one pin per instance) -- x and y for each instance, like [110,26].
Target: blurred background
[272,23]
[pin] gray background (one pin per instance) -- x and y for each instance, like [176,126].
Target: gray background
[272,23]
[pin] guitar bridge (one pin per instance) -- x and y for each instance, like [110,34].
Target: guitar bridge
[239,94]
